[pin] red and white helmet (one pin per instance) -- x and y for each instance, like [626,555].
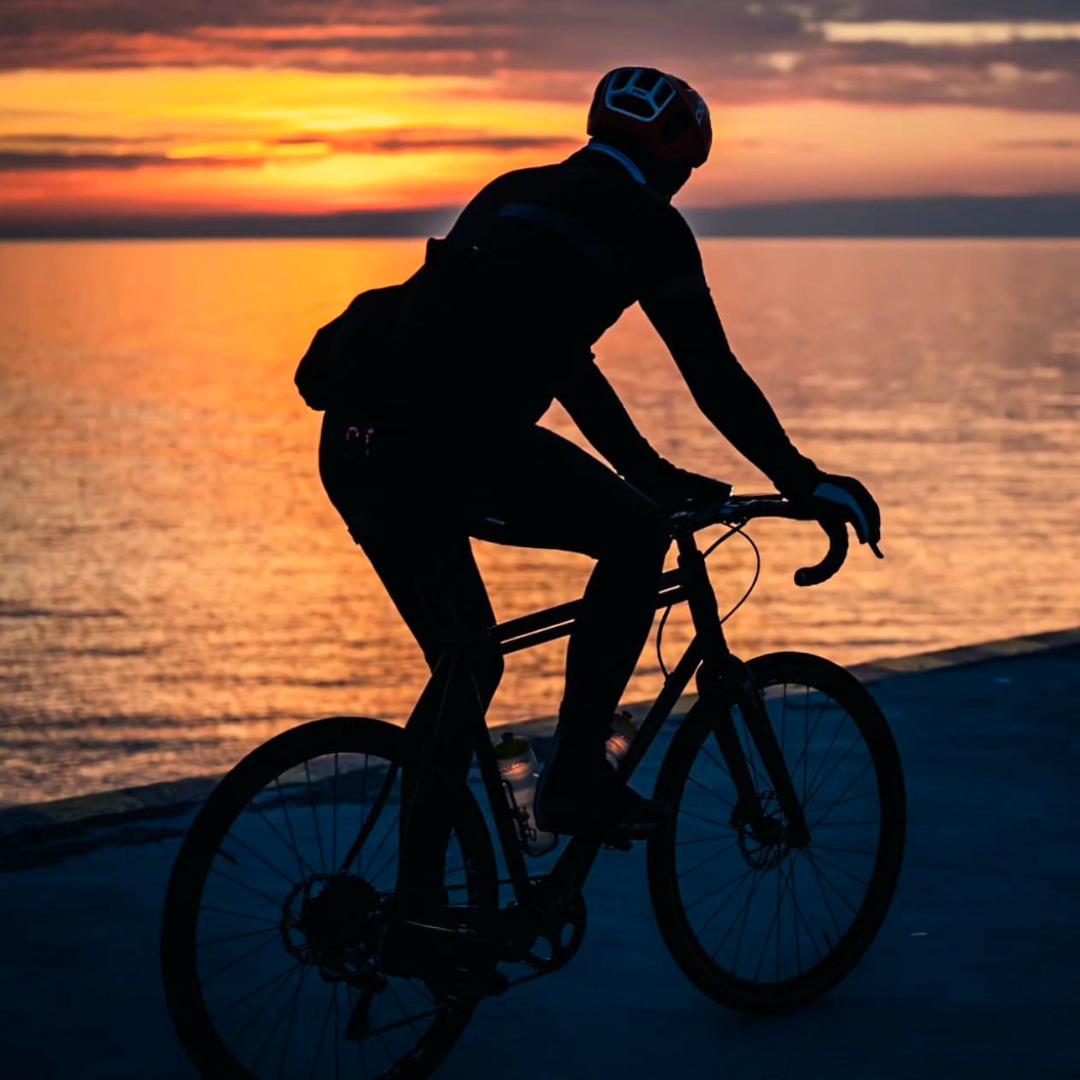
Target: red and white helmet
[661,114]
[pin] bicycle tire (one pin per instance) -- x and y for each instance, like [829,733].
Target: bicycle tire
[204,1043]
[718,978]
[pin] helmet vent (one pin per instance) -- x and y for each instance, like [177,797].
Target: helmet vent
[639,93]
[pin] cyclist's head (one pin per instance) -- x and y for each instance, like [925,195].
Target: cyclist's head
[658,119]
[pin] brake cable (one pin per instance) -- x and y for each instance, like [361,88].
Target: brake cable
[732,531]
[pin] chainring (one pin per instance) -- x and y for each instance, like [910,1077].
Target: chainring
[559,934]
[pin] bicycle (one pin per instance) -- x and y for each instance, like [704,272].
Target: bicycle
[283,888]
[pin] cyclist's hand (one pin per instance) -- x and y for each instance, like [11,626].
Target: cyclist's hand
[857,505]
[677,489]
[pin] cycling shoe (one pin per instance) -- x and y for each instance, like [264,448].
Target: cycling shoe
[592,801]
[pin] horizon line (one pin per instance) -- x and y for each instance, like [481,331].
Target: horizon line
[937,216]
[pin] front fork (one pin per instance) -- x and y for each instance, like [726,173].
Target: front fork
[725,682]
[720,691]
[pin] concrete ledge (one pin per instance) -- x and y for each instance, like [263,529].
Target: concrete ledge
[67,824]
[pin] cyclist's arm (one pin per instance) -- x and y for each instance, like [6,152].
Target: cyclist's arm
[686,318]
[601,417]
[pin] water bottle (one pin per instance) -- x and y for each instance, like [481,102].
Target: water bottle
[518,769]
[623,730]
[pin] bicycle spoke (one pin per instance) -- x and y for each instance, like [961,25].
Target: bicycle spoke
[840,761]
[829,881]
[386,863]
[270,866]
[851,783]
[843,871]
[278,984]
[421,991]
[291,845]
[401,1005]
[236,960]
[379,1032]
[695,780]
[275,1026]
[701,839]
[853,798]
[240,915]
[358,1043]
[781,886]
[284,973]
[783,721]
[244,885]
[234,937]
[799,913]
[749,753]
[337,1028]
[802,759]
[723,903]
[828,750]
[698,817]
[714,855]
[705,750]
[363,822]
[758,878]
[393,829]
[825,897]
[315,817]
[400,1024]
[846,851]
[292,1022]
[288,824]
[322,1039]
[386,835]
[333,848]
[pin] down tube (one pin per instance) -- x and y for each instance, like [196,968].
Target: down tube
[673,688]
[573,866]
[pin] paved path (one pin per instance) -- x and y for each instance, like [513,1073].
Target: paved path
[974,973]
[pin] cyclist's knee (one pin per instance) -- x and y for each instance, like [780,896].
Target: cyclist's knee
[642,536]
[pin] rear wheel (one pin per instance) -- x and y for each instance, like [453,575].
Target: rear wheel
[271,932]
[754,923]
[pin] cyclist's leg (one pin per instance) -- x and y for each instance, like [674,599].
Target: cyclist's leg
[390,495]
[540,490]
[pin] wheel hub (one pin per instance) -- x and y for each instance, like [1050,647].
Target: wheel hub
[763,840]
[328,922]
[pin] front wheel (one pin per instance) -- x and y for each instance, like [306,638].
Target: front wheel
[270,943]
[755,923]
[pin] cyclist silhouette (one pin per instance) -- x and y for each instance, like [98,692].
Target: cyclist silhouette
[499,322]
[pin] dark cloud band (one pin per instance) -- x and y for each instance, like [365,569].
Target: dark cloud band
[767,50]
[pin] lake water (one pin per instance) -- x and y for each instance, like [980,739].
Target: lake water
[176,587]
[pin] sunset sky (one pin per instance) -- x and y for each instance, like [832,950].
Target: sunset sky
[178,107]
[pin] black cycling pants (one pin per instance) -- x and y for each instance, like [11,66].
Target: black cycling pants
[412,500]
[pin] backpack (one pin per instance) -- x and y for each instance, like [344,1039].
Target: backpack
[342,362]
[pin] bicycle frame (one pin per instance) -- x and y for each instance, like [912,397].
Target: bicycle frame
[723,681]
